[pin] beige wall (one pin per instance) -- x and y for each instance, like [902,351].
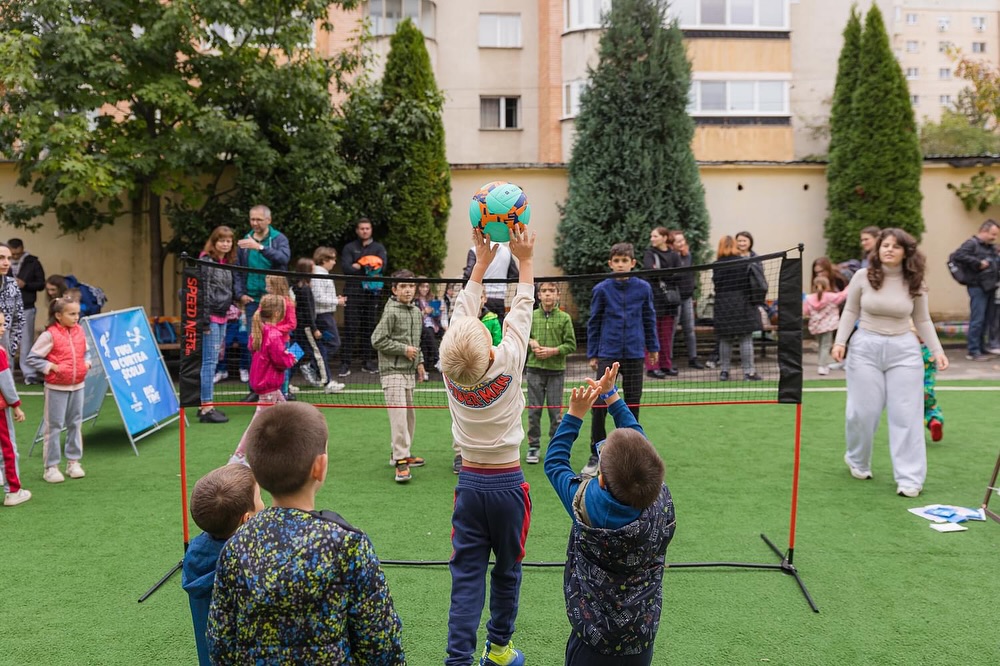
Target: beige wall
[781,205]
[740,55]
[756,142]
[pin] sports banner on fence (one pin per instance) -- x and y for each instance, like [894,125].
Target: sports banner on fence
[138,377]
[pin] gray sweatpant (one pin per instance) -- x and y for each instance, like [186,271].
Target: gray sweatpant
[545,388]
[398,391]
[63,409]
[887,372]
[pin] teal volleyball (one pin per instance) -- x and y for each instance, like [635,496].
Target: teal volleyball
[496,207]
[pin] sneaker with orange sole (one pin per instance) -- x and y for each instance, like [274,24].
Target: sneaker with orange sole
[402,472]
[412,461]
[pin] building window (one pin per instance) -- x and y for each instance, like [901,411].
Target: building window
[571,97]
[585,13]
[915,100]
[979,47]
[911,19]
[499,113]
[386,15]
[500,31]
[979,23]
[738,98]
[944,23]
[945,100]
[944,47]
[912,73]
[733,14]
[944,73]
[912,46]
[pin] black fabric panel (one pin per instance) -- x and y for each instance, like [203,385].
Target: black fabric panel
[790,330]
[193,316]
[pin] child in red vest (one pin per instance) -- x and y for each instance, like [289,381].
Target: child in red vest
[60,355]
[10,411]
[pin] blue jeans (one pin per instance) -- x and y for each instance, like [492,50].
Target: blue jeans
[686,316]
[210,344]
[979,300]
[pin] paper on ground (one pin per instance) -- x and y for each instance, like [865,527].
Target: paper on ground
[959,513]
[947,527]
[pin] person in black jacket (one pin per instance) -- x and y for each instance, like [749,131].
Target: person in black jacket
[736,318]
[361,311]
[666,299]
[686,286]
[30,276]
[978,256]
[220,293]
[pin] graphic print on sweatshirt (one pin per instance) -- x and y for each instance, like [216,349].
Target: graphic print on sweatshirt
[481,395]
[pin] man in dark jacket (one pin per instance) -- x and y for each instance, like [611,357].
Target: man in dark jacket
[978,256]
[364,256]
[30,276]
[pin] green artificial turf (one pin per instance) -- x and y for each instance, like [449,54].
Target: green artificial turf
[890,590]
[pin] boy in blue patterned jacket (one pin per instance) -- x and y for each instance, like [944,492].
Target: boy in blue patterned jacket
[295,585]
[623,521]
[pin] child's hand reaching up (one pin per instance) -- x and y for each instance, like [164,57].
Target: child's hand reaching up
[608,381]
[582,399]
[522,244]
[485,250]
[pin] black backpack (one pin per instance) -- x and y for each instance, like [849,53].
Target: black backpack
[961,274]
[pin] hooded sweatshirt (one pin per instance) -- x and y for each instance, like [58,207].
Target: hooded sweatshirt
[197,579]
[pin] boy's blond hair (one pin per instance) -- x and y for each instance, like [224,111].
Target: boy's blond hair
[465,351]
[221,498]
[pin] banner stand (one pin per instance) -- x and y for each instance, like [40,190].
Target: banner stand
[132,366]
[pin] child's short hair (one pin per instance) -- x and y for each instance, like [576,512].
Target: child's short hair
[282,444]
[324,253]
[622,250]
[403,273]
[542,285]
[304,265]
[465,351]
[631,467]
[221,498]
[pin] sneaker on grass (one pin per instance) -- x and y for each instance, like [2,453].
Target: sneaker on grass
[456,466]
[53,475]
[74,470]
[412,461]
[589,470]
[506,655]
[20,497]
[402,472]
[532,456]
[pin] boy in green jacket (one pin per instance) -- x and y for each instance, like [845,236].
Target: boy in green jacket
[552,339]
[400,366]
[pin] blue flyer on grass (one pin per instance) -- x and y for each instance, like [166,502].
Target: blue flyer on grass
[139,381]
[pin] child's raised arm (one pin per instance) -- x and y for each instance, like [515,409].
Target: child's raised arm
[522,246]
[557,466]
[485,252]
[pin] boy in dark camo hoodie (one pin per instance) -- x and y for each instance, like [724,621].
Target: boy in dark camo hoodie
[623,521]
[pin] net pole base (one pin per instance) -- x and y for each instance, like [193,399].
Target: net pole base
[158,584]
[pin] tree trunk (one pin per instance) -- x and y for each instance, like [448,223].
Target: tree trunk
[155,254]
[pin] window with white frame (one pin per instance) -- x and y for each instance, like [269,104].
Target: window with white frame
[912,73]
[979,23]
[944,73]
[386,15]
[585,13]
[734,14]
[571,97]
[945,100]
[944,22]
[979,47]
[912,46]
[738,98]
[500,31]
[915,100]
[911,19]
[499,113]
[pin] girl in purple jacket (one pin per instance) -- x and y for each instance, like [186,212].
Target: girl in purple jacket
[269,363]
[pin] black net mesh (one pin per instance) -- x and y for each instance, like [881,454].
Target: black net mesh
[727,332]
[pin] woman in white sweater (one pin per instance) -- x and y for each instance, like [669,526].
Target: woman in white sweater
[885,368]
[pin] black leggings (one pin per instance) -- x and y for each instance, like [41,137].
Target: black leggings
[630,373]
[579,653]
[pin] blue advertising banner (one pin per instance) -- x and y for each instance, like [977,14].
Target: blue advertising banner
[139,380]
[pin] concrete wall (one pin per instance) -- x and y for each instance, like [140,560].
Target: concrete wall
[781,205]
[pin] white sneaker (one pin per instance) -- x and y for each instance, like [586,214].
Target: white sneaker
[244,375]
[589,470]
[837,366]
[221,375]
[292,388]
[855,472]
[53,475]
[823,370]
[333,387]
[238,459]
[903,491]
[20,497]
[74,470]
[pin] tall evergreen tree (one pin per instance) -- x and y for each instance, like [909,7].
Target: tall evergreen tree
[396,137]
[842,125]
[632,167]
[881,178]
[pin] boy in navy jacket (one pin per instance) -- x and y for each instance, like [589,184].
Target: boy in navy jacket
[622,328]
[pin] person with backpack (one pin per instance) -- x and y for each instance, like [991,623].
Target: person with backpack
[975,265]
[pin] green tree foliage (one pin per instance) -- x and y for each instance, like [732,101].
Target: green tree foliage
[395,137]
[880,181]
[632,167]
[955,135]
[842,125]
[119,108]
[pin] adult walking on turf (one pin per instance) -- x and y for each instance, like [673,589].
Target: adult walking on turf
[978,258]
[363,256]
[263,247]
[885,368]
[11,304]
[27,270]
[666,300]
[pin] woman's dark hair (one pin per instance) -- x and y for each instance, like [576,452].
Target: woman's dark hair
[914,262]
[59,282]
[748,236]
